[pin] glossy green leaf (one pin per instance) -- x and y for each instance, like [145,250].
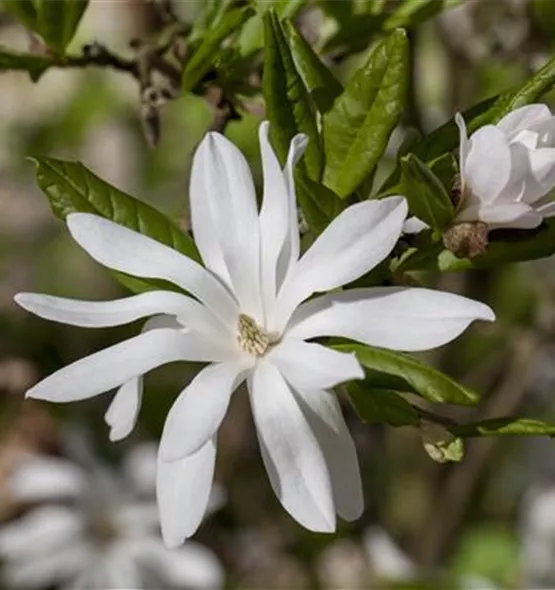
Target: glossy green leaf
[23,10]
[509,426]
[291,111]
[35,65]
[381,405]
[425,193]
[57,21]
[357,128]
[202,60]
[319,81]
[419,377]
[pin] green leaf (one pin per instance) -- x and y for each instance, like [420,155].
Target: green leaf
[290,111]
[420,378]
[381,405]
[54,20]
[413,12]
[35,65]
[357,128]
[203,58]
[70,187]
[509,426]
[319,81]
[445,451]
[426,195]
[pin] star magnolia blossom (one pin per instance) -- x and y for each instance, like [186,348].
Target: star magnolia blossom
[507,168]
[246,317]
[94,527]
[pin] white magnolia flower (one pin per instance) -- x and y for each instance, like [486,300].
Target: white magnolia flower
[246,317]
[507,168]
[95,528]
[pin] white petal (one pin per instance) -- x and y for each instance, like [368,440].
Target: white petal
[354,243]
[274,216]
[488,165]
[535,116]
[307,365]
[464,145]
[390,317]
[46,478]
[542,165]
[224,180]
[547,209]
[516,215]
[199,410]
[291,248]
[291,454]
[326,420]
[183,490]
[413,225]
[123,411]
[125,250]
[115,365]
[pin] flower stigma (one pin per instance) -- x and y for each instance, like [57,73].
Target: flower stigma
[253,338]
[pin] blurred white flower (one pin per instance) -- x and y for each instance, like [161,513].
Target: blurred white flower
[387,560]
[507,168]
[96,528]
[248,320]
[538,538]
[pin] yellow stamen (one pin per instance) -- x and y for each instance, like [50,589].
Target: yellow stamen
[252,338]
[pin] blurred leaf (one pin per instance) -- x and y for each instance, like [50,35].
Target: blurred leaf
[319,81]
[410,13]
[357,128]
[290,111]
[510,426]
[203,57]
[35,65]
[355,33]
[543,12]
[381,405]
[70,187]
[419,377]
[444,451]
[425,193]
[54,20]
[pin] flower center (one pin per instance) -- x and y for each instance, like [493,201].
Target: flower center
[253,338]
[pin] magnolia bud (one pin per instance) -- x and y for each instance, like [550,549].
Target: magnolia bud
[467,239]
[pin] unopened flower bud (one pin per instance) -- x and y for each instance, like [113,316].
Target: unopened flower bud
[467,239]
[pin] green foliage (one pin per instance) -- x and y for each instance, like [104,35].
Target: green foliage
[381,405]
[510,426]
[290,110]
[357,128]
[425,193]
[35,65]
[416,376]
[202,60]
[55,21]
[70,187]
[410,13]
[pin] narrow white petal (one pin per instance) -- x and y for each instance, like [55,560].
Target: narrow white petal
[307,365]
[535,116]
[464,146]
[225,182]
[413,225]
[547,209]
[516,215]
[290,253]
[125,250]
[274,216]
[354,243]
[183,490]
[488,164]
[199,410]
[117,364]
[46,478]
[390,317]
[291,454]
[123,411]
[326,420]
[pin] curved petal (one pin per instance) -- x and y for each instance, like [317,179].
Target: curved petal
[123,411]
[306,365]
[535,116]
[291,454]
[464,145]
[274,217]
[324,415]
[46,479]
[182,491]
[115,365]
[290,253]
[390,317]
[223,179]
[488,164]
[199,410]
[354,243]
[516,215]
[413,225]
[542,166]
[547,209]
[125,250]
